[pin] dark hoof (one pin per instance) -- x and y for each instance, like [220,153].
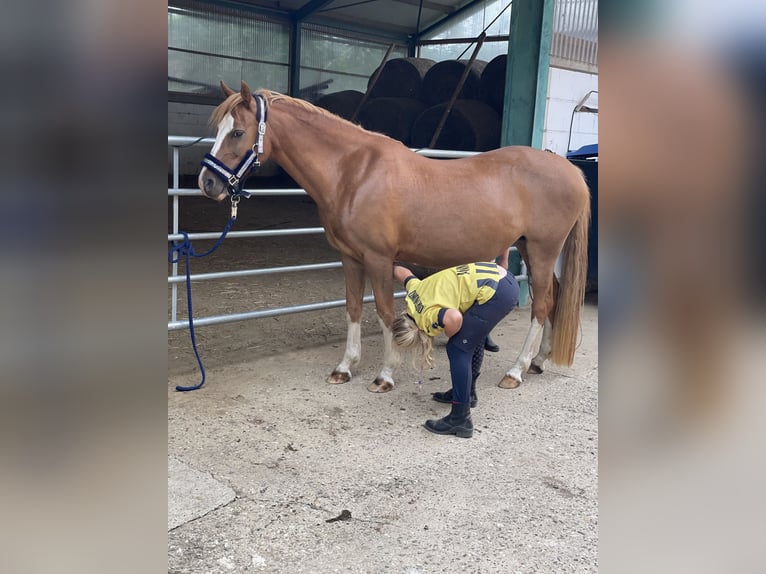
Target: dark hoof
[380,386]
[338,378]
[508,383]
[534,369]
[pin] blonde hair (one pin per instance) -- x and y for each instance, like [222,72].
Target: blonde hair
[409,337]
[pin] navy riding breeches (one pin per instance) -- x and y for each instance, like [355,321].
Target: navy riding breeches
[465,348]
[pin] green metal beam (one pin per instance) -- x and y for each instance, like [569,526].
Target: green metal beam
[526,84]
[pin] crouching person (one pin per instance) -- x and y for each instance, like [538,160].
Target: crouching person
[464,302]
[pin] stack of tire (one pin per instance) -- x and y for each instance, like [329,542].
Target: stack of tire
[411,94]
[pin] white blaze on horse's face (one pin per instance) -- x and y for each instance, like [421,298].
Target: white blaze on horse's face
[224,128]
[208,182]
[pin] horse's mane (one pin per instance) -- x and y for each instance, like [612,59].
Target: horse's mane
[272,97]
[235,99]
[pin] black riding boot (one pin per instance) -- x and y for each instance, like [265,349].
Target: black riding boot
[458,422]
[446,396]
[490,345]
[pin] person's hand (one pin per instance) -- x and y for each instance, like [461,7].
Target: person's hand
[502,260]
[401,273]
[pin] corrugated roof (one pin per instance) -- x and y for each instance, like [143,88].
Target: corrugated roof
[394,18]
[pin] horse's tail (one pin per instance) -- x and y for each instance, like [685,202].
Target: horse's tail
[566,322]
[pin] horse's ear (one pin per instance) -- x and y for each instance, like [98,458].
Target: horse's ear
[246,92]
[227,91]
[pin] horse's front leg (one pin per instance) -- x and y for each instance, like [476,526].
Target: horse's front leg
[383,290]
[353,272]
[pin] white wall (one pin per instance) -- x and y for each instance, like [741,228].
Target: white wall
[565,90]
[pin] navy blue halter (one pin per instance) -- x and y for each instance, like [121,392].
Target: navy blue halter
[234,179]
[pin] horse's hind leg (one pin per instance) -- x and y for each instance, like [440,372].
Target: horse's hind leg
[546,344]
[514,376]
[354,276]
[538,362]
[540,260]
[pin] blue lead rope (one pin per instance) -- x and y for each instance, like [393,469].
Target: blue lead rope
[175,253]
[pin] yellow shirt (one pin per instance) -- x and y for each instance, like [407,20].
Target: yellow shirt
[454,288]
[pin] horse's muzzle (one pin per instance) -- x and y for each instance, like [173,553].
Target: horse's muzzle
[211,186]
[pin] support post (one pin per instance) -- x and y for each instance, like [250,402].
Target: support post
[295,58]
[526,84]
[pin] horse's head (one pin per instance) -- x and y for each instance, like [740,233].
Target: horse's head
[236,149]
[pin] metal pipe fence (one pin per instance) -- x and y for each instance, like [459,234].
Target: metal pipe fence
[176,192]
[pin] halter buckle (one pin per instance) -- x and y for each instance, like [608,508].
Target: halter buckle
[233,180]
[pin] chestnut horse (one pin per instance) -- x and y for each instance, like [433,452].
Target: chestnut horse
[379,202]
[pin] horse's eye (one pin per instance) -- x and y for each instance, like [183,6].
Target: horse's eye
[237,133]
